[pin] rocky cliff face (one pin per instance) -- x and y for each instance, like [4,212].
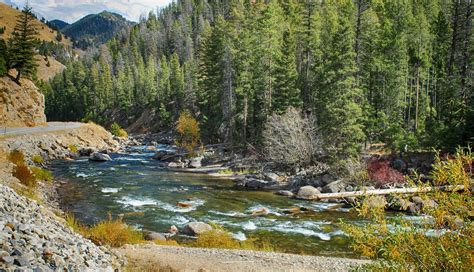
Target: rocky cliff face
[20,105]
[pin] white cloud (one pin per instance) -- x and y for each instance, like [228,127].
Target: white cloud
[72,10]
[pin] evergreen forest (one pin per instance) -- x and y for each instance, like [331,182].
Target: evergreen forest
[397,72]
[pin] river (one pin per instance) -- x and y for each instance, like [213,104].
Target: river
[146,194]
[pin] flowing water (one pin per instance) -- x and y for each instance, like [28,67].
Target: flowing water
[147,194]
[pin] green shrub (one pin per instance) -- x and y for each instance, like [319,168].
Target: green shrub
[407,246]
[118,131]
[42,174]
[37,159]
[72,148]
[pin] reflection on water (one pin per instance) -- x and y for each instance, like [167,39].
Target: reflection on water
[137,186]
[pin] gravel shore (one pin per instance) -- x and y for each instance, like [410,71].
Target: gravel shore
[175,258]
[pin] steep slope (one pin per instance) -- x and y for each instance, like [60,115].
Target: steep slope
[58,24]
[96,29]
[20,105]
[8,17]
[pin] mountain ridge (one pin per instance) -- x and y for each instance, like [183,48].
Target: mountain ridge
[95,29]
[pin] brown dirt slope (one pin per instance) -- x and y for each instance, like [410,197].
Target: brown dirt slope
[8,17]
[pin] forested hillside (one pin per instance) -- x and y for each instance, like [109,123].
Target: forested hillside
[95,29]
[394,71]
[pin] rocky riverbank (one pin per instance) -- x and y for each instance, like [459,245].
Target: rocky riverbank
[32,237]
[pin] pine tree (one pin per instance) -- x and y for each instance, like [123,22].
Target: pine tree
[176,84]
[337,107]
[287,92]
[21,46]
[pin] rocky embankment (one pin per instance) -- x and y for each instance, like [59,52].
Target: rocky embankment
[20,105]
[32,237]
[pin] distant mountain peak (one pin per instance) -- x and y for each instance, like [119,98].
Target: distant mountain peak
[96,29]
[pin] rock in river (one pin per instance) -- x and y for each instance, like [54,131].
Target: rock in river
[195,162]
[99,157]
[196,228]
[307,192]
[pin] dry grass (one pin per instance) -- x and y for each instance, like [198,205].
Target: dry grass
[16,157]
[218,237]
[8,19]
[114,233]
[24,175]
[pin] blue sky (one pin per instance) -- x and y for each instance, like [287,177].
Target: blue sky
[72,10]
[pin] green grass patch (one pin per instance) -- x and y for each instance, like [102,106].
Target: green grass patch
[37,159]
[42,174]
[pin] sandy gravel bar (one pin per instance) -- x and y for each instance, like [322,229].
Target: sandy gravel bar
[173,258]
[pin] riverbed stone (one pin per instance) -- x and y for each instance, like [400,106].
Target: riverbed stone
[154,236]
[196,162]
[335,187]
[99,157]
[307,192]
[196,228]
[285,193]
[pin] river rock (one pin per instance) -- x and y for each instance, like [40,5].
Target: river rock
[196,228]
[285,193]
[154,236]
[99,157]
[196,162]
[260,212]
[307,192]
[159,155]
[86,151]
[176,165]
[334,187]
[254,183]
[271,177]
[184,204]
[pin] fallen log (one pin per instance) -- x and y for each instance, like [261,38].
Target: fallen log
[386,192]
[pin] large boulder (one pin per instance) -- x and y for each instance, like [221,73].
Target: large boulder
[99,157]
[196,228]
[86,151]
[334,187]
[154,236]
[307,192]
[195,162]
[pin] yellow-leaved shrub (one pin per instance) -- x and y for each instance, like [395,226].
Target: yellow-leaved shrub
[189,134]
[440,241]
